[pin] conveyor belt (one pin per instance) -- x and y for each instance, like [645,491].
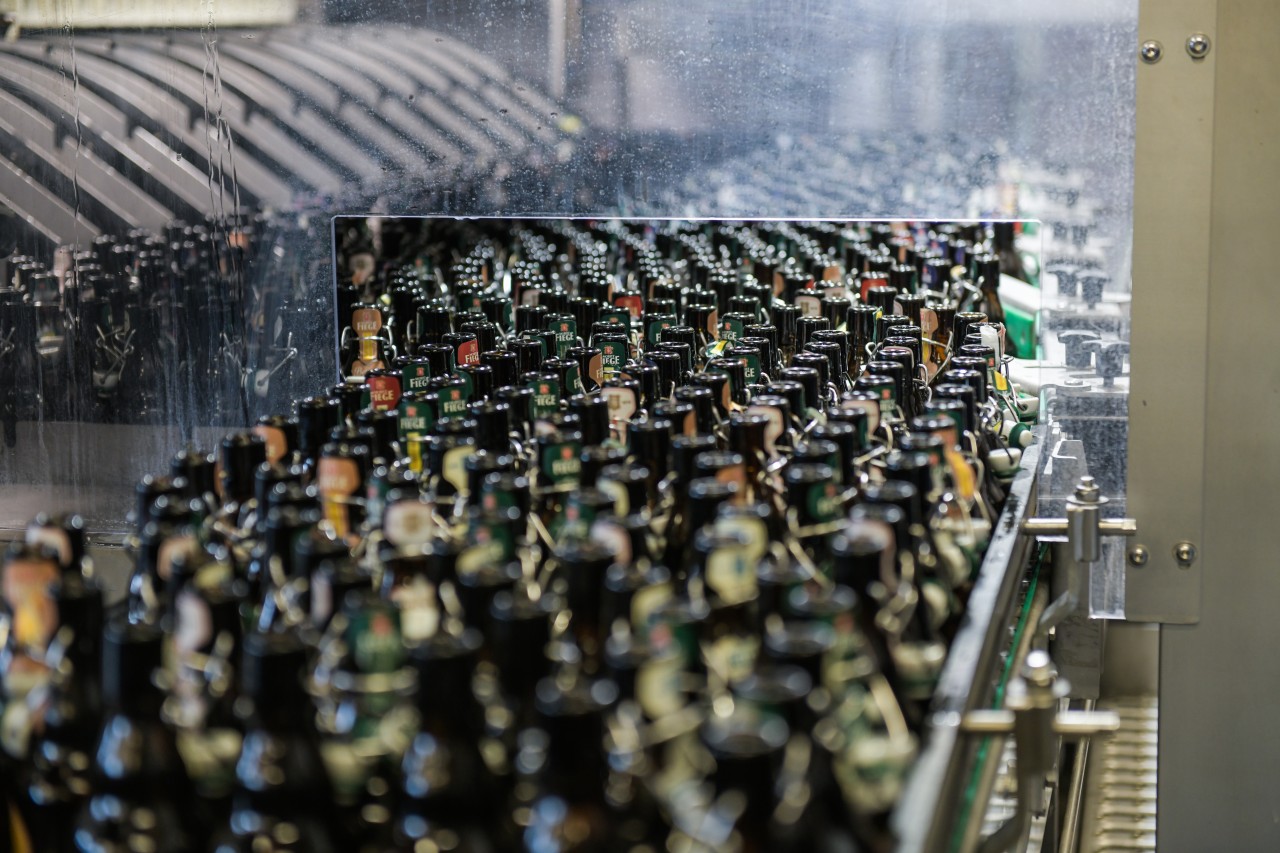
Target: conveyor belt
[1120,798]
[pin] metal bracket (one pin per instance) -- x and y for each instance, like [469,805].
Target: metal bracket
[1036,723]
[1084,528]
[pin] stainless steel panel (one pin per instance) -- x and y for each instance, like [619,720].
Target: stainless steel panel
[1173,182]
[1219,744]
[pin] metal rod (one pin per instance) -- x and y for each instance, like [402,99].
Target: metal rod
[1075,793]
[987,779]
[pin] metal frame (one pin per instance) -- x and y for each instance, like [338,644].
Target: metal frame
[1204,459]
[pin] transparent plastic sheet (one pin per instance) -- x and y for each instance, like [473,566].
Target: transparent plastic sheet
[658,108]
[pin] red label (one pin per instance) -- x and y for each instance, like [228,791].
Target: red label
[384,392]
[868,283]
[469,352]
[630,303]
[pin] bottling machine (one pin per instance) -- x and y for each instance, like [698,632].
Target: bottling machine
[1104,705]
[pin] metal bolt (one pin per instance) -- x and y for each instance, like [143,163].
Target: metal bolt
[1198,45]
[1151,51]
[1185,554]
[1138,556]
[1038,669]
[1087,490]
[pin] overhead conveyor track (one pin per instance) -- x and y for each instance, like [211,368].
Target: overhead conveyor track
[130,130]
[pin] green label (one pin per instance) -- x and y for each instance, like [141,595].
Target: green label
[494,536]
[618,316]
[468,387]
[546,398]
[453,401]
[613,356]
[415,377]
[374,638]
[753,365]
[573,378]
[561,462]
[730,329]
[653,333]
[415,418]
[566,330]
[824,502]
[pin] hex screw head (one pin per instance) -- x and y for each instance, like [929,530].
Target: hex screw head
[1151,51]
[1198,45]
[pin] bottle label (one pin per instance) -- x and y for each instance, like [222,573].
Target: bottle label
[545,400]
[730,329]
[752,362]
[408,522]
[416,418]
[416,600]
[467,386]
[872,410]
[338,479]
[653,334]
[658,686]
[453,467]
[615,536]
[273,437]
[809,303]
[384,392]
[453,401]
[473,559]
[561,462]
[373,636]
[33,612]
[622,403]
[495,537]
[566,329]
[630,302]
[613,356]
[415,377]
[731,574]
[646,608]
[751,534]
[366,322]
[468,352]
[620,317]
[415,444]
[733,656]
[932,356]
[774,429]
[595,372]
[573,379]
[823,502]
